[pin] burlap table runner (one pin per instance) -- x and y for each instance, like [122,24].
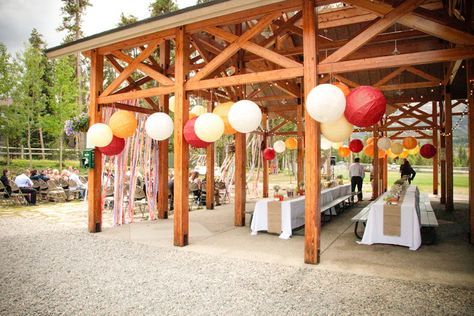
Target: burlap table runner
[274,217]
[392,218]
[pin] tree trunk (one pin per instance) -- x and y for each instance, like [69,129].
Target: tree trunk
[61,145]
[28,143]
[40,131]
[22,151]
[8,150]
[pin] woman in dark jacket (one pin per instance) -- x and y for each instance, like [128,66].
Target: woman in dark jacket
[4,179]
[407,170]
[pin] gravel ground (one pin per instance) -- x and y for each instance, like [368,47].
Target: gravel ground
[51,269]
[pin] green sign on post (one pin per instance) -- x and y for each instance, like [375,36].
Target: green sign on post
[87,159]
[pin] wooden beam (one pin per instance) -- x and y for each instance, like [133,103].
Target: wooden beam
[136,94]
[442,141]
[390,76]
[448,124]
[388,20]
[470,98]
[420,58]
[163,190]
[300,149]
[422,74]
[210,169]
[375,163]
[181,148]
[128,107]
[434,111]
[94,195]
[312,140]
[410,85]
[265,124]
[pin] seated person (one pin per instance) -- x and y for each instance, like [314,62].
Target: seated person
[25,185]
[171,192]
[81,187]
[38,176]
[195,184]
[4,179]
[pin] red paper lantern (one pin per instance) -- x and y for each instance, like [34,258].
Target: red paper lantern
[356,145]
[365,106]
[115,147]
[344,151]
[427,151]
[269,154]
[191,137]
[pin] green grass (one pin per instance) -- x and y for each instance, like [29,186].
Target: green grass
[17,165]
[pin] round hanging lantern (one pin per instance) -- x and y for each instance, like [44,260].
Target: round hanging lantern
[223,111]
[365,106]
[291,143]
[369,140]
[99,135]
[414,151]
[384,143]
[279,146]
[404,154]
[209,127]
[337,131]
[356,145]
[269,153]
[336,145]
[171,103]
[345,89]
[427,151]
[245,116]
[191,115]
[390,154]
[325,143]
[159,126]
[123,123]
[409,142]
[198,110]
[115,147]
[191,137]
[369,151]
[344,151]
[396,148]
[325,103]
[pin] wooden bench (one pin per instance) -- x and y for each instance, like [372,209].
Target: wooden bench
[341,200]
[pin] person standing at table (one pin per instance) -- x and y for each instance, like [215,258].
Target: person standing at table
[407,170]
[357,174]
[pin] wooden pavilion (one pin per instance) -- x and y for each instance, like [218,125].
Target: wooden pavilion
[418,52]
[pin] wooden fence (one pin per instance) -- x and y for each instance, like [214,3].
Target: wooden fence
[49,153]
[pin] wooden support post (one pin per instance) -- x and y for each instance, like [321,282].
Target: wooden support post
[94,195]
[312,140]
[470,98]
[448,108]
[210,169]
[163,145]
[435,144]
[265,162]
[300,152]
[442,158]
[385,173]
[376,175]
[181,149]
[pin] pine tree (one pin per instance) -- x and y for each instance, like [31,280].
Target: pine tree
[127,19]
[203,1]
[159,7]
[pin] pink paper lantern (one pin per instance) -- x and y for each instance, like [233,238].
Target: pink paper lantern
[427,151]
[365,106]
[356,145]
[115,147]
[269,154]
[191,137]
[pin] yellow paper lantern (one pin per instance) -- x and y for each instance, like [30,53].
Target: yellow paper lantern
[338,130]
[291,143]
[404,154]
[396,148]
[344,151]
[223,111]
[123,123]
[198,110]
[414,151]
[171,103]
[409,142]
[390,154]
[209,127]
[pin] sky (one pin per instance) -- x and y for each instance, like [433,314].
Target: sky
[19,17]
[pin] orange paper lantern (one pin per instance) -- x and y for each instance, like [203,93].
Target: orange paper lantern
[192,115]
[344,151]
[409,142]
[291,143]
[369,151]
[123,123]
[223,110]
[369,140]
[345,89]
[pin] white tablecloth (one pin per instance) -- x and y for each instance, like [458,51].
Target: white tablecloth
[410,235]
[292,211]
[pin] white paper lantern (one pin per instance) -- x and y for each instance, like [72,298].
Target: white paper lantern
[245,116]
[384,143]
[198,110]
[159,126]
[325,103]
[279,146]
[325,143]
[336,145]
[396,148]
[209,127]
[171,103]
[338,130]
[100,135]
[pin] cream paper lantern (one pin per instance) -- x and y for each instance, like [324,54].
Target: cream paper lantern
[396,148]
[325,103]
[245,116]
[159,126]
[338,130]
[198,110]
[325,143]
[209,127]
[99,135]
[336,145]
[384,143]
[279,146]
[171,103]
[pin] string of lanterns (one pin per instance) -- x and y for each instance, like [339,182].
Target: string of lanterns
[458,123]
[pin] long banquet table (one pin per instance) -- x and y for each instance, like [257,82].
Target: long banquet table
[410,235]
[292,211]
